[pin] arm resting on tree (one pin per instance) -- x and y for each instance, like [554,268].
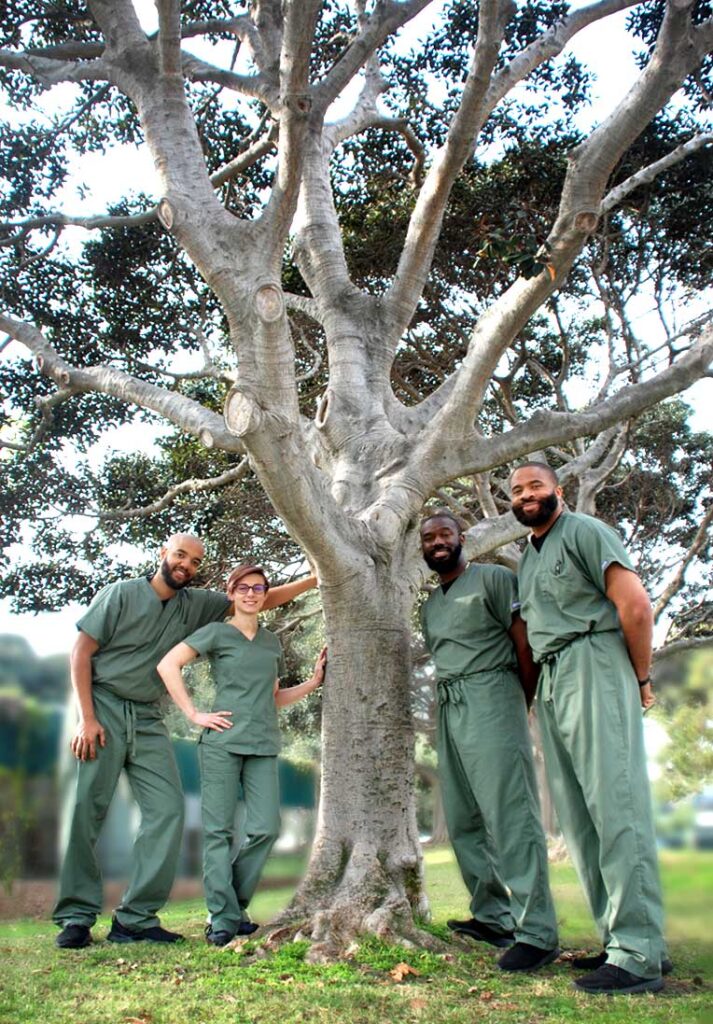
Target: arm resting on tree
[288,592]
[295,693]
[169,668]
[89,728]
[527,670]
[626,591]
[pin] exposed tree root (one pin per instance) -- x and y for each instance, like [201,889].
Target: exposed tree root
[343,898]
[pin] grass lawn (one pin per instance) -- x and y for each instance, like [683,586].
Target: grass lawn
[192,983]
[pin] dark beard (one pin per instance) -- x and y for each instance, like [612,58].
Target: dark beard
[444,565]
[546,507]
[170,580]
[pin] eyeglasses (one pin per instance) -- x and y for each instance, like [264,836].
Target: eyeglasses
[257,588]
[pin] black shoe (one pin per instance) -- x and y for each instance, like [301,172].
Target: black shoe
[247,928]
[524,957]
[119,933]
[74,936]
[218,938]
[592,963]
[609,980]
[482,932]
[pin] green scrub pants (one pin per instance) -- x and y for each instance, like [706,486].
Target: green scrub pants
[136,741]
[230,879]
[491,805]
[592,736]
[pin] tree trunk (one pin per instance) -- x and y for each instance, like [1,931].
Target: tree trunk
[366,870]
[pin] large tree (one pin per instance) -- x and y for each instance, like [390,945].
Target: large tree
[350,274]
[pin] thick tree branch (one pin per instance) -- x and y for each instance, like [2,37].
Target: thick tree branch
[184,412]
[63,220]
[544,428]
[387,18]
[51,72]
[169,36]
[647,174]
[550,44]
[258,86]
[296,105]
[590,165]
[427,217]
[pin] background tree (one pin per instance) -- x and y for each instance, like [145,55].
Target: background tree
[303,254]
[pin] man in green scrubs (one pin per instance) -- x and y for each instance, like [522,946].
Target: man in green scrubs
[128,628]
[473,630]
[590,624]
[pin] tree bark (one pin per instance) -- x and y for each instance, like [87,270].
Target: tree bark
[366,870]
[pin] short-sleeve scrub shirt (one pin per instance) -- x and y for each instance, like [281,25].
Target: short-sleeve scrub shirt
[563,586]
[244,672]
[466,629]
[135,628]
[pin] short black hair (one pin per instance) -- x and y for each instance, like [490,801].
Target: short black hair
[534,464]
[443,513]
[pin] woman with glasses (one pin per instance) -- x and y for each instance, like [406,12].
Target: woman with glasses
[238,745]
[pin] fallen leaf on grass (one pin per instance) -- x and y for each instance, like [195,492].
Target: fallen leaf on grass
[418,1005]
[277,936]
[487,996]
[401,970]
[137,1020]
[124,967]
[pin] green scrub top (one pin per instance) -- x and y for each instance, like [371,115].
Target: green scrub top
[465,629]
[562,586]
[135,628]
[244,672]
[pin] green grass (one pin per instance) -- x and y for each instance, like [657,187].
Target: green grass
[195,984]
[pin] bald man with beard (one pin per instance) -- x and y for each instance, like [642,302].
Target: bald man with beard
[126,631]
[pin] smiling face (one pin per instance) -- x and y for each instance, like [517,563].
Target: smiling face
[536,498]
[180,560]
[244,596]
[441,544]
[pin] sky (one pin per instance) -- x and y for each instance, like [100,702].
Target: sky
[606,52]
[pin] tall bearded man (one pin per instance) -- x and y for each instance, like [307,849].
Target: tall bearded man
[590,625]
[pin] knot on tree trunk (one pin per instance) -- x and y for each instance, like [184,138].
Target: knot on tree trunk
[166,214]
[298,103]
[269,302]
[243,414]
[586,221]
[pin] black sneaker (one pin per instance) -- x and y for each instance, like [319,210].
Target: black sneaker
[609,980]
[218,938]
[247,928]
[74,936]
[524,957]
[482,932]
[591,963]
[120,933]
